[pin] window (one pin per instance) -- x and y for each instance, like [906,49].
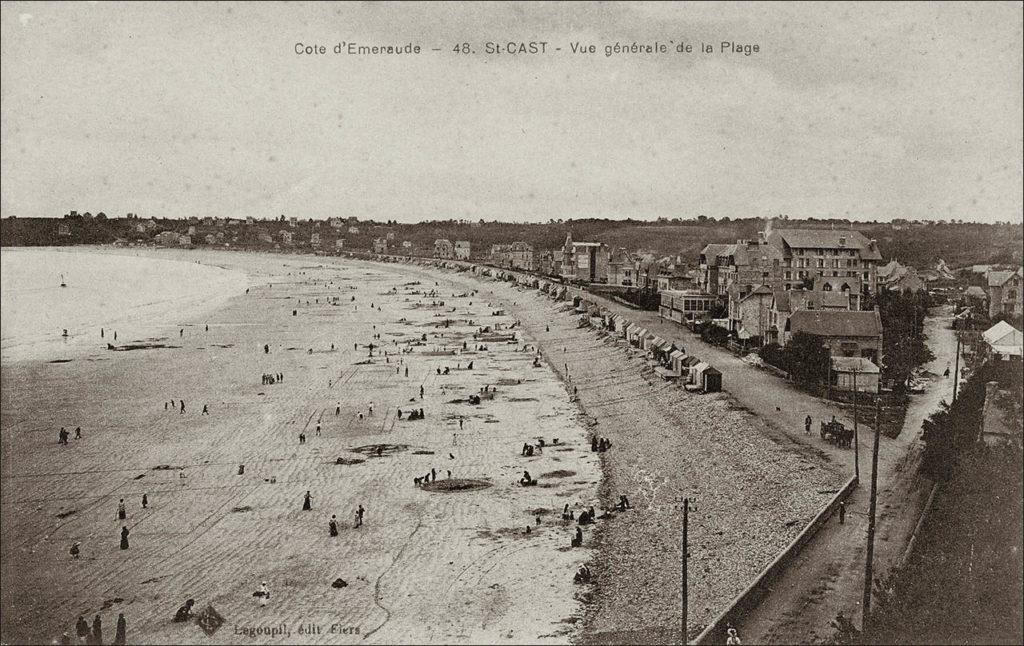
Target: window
[826,287]
[789,275]
[821,262]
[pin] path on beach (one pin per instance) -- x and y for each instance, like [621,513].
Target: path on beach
[427,566]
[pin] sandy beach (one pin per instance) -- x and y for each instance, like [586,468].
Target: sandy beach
[427,565]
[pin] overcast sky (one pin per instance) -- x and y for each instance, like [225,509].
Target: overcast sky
[857,110]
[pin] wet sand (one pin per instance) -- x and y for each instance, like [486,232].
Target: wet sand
[427,566]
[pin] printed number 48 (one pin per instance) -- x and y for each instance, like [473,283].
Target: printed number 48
[461,48]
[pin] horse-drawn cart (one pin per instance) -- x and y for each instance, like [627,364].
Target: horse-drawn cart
[836,433]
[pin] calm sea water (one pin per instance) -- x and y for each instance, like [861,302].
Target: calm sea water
[135,295]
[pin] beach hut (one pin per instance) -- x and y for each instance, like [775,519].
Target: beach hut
[675,361]
[694,369]
[711,380]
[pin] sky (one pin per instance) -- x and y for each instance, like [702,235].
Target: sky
[862,111]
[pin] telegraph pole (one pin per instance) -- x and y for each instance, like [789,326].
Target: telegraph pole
[856,437]
[956,373]
[866,605]
[686,550]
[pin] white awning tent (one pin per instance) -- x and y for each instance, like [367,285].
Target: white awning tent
[1004,340]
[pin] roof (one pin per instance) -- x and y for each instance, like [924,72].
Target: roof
[852,364]
[888,268]
[826,239]
[1002,333]
[760,290]
[715,250]
[836,323]
[999,278]
[974,291]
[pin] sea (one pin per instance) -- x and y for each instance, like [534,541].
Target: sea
[133,293]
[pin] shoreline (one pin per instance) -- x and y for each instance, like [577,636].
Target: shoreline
[495,563]
[617,564]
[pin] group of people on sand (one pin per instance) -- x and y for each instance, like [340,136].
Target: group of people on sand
[94,634]
[332,524]
[271,379]
[430,477]
[600,444]
[414,414]
[62,437]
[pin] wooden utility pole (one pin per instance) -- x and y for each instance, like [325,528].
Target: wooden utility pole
[686,551]
[856,437]
[956,372]
[866,605]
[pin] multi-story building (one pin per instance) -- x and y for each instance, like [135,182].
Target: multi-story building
[517,255]
[584,261]
[380,245]
[286,236]
[621,267]
[444,248]
[896,277]
[461,250]
[314,239]
[1005,293]
[789,259]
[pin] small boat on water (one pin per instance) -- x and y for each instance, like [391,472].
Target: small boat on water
[62,283]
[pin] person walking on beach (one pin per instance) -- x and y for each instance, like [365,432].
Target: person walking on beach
[62,437]
[307,502]
[337,409]
[122,628]
[182,406]
[842,512]
[318,430]
[75,549]
[165,403]
[121,512]
[421,392]
[302,438]
[807,425]
[145,501]
[359,516]
[206,409]
[82,630]
[263,594]
[97,630]
[124,537]
[407,371]
[332,527]
[460,423]
[78,432]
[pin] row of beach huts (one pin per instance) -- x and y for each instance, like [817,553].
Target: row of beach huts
[668,358]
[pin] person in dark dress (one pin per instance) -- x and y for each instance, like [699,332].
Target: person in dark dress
[307,502]
[82,630]
[332,527]
[145,501]
[185,612]
[97,630]
[124,538]
[122,627]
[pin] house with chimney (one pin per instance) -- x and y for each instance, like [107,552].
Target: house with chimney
[621,267]
[1005,295]
[444,249]
[585,262]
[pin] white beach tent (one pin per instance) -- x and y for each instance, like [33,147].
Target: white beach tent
[1004,339]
